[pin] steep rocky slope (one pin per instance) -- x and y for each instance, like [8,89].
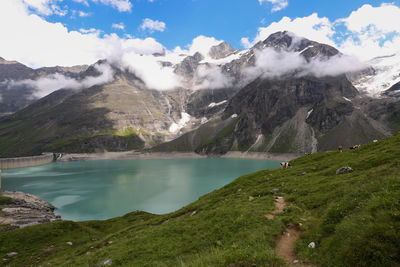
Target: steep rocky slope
[276,97]
[292,113]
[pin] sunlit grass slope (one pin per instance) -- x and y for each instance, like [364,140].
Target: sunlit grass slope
[353,218]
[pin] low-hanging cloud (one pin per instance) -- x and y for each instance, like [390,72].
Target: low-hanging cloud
[271,63]
[149,70]
[210,77]
[46,85]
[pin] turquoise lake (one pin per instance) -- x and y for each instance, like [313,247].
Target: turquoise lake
[88,190]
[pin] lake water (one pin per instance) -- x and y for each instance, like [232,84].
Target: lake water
[103,189]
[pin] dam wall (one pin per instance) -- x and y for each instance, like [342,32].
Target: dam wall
[8,163]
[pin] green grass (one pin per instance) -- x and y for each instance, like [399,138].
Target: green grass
[226,131]
[127,132]
[4,200]
[353,218]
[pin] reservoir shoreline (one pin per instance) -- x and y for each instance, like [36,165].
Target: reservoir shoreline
[132,155]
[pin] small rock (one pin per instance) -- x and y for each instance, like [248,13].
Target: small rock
[105,262]
[344,170]
[311,245]
[301,174]
[164,222]
[240,189]
[251,198]
[275,190]
[296,261]
[193,213]
[12,254]
[69,243]
[110,242]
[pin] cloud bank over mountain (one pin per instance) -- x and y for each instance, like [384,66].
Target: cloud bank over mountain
[367,32]
[54,82]
[33,40]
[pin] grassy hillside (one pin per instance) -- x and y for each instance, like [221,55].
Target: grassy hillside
[353,218]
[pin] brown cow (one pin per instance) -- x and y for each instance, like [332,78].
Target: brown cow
[340,148]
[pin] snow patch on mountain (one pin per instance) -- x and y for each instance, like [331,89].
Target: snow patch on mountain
[386,74]
[213,104]
[176,127]
[225,60]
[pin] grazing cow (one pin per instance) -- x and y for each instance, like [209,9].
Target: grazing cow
[285,165]
[340,148]
[355,147]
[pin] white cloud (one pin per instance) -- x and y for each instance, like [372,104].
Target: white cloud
[147,67]
[83,14]
[80,13]
[91,30]
[153,25]
[367,32]
[245,42]
[312,27]
[46,7]
[53,44]
[85,2]
[381,18]
[276,4]
[119,26]
[210,77]
[121,5]
[374,31]
[202,44]
[271,63]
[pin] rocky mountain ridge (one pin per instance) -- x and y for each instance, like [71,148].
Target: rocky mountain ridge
[292,112]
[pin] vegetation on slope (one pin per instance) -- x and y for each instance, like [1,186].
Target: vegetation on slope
[353,218]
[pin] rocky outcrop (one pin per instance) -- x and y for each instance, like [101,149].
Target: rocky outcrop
[220,51]
[23,210]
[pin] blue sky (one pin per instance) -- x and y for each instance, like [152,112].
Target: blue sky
[71,32]
[229,20]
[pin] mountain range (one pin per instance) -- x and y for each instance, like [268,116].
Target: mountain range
[285,94]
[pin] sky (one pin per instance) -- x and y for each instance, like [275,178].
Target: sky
[71,32]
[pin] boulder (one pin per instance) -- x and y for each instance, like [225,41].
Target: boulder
[12,254]
[311,245]
[104,262]
[275,190]
[344,170]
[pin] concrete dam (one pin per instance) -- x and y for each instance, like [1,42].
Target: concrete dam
[8,163]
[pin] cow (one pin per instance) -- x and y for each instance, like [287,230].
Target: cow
[340,148]
[285,165]
[355,147]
